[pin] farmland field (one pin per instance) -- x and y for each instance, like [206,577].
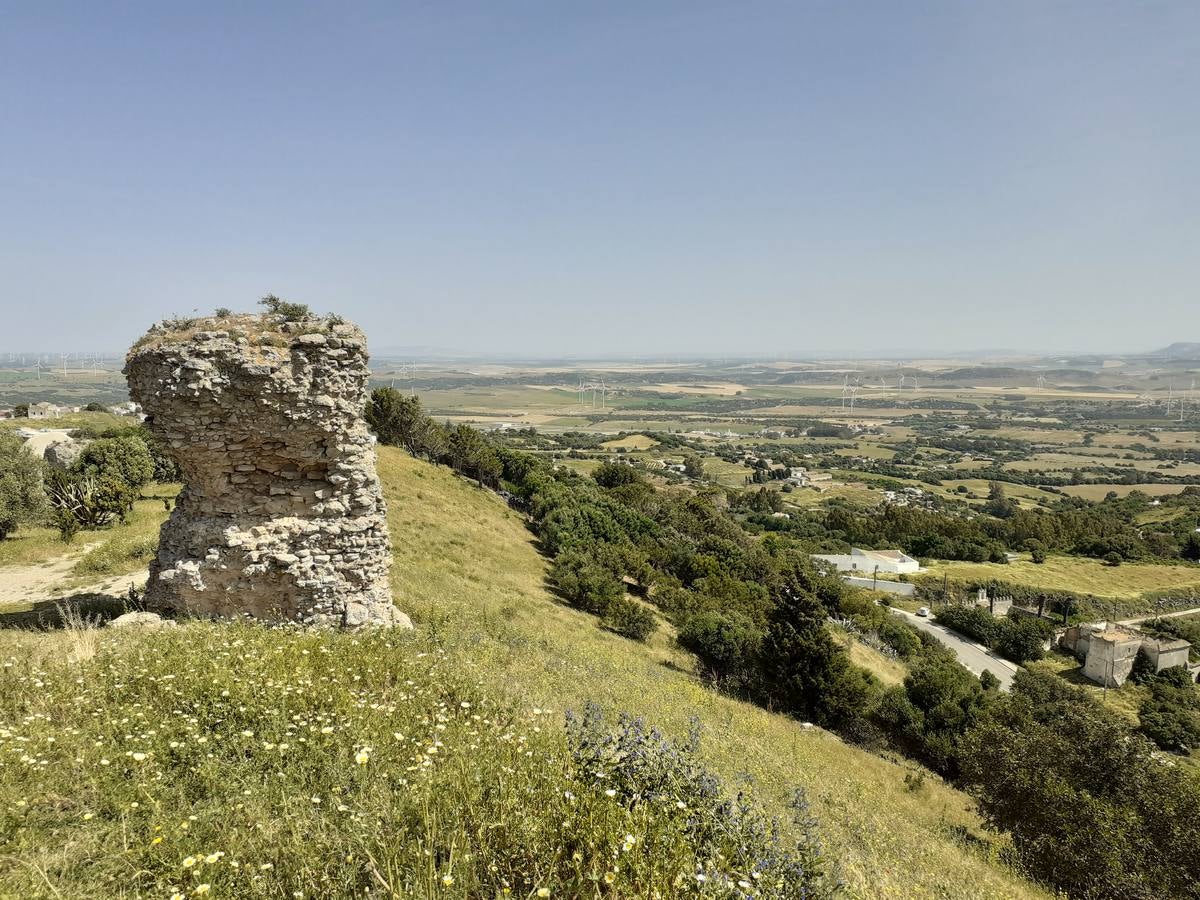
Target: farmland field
[1085,576]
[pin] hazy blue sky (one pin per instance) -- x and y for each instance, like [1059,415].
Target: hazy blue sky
[574,178]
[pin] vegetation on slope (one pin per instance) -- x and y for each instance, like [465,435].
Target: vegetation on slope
[468,570]
[260,762]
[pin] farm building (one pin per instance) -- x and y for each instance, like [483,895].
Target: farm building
[895,562]
[44,410]
[1108,651]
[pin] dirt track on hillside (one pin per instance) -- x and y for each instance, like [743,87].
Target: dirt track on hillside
[32,584]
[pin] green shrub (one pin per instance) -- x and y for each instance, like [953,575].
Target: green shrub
[290,312]
[1021,639]
[22,500]
[737,849]
[583,583]
[899,636]
[1091,808]
[1170,715]
[629,618]
[973,621]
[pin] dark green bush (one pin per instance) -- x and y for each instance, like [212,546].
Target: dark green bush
[629,618]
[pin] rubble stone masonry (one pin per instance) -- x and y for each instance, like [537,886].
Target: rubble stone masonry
[281,516]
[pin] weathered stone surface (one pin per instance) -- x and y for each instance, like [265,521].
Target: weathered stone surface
[62,454]
[141,620]
[281,516]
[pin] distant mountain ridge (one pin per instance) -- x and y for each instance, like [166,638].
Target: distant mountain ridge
[1179,350]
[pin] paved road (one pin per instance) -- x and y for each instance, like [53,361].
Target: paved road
[1170,615]
[975,657]
[892,587]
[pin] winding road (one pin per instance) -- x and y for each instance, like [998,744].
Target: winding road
[974,657]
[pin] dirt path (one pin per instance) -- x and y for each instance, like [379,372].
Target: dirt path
[31,584]
[1170,615]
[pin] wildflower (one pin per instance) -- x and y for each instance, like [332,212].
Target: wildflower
[213,857]
[610,877]
[543,892]
[266,867]
[177,896]
[363,756]
[189,861]
[139,757]
[87,816]
[328,729]
[610,793]
[202,888]
[447,880]
[158,840]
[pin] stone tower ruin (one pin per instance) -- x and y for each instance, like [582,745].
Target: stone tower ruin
[281,516]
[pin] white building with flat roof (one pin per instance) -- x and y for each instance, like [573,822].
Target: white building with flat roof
[895,562]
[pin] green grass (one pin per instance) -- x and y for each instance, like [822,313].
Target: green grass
[1100,491]
[489,634]
[114,550]
[98,420]
[1124,700]
[1083,576]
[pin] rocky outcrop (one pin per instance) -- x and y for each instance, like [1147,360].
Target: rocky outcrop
[281,516]
[63,454]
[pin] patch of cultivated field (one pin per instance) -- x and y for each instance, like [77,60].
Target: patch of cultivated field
[726,473]
[631,442]
[1036,435]
[868,450]
[716,389]
[1100,491]
[1083,576]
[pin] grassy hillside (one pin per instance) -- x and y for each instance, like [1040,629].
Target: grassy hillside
[259,762]
[468,569]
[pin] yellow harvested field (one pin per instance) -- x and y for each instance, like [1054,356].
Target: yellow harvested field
[631,442]
[718,389]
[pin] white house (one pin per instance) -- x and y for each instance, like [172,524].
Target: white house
[894,562]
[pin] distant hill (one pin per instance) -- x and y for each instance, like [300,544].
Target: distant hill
[1179,350]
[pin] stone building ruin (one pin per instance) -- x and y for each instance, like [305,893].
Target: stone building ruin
[1108,650]
[281,516]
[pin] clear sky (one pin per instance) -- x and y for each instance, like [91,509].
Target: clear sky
[591,178]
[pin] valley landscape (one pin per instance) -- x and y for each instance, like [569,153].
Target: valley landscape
[508,451]
[799,457]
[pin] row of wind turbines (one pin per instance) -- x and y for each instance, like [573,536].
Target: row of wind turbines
[93,363]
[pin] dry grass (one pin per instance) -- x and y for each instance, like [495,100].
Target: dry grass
[631,442]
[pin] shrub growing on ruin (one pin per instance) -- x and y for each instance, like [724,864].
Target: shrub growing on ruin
[289,312]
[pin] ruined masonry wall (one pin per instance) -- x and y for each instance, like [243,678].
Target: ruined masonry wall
[281,516]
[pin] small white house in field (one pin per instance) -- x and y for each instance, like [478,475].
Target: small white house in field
[895,562]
